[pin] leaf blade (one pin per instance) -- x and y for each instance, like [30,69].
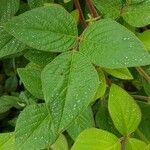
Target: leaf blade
[123,110]
[125,50]
[66,75]
[34,26]
[104,140]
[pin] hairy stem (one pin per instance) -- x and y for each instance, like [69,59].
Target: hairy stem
[143,73]
[91,8]
[81,16]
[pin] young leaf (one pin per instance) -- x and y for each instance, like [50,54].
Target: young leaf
[7,141]
[8,8]
[135,1]
[82,122]
[60,144]
[34,126]
[102,86]
[31,78]
[69,81]
[95,139]
[145,38]
[147,147]
[7,102]
[125,50]
[38,3]
[135,144]
[9,45]
[109,8]
[39,57]
[143,131]
[48,28]
[103,120]
[122,73]
[138,15]
[123,110]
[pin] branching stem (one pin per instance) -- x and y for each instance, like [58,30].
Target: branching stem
[81,16]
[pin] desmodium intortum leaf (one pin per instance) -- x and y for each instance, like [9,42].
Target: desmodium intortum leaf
[135,144]
[125,50]
[60,144]
[48,28]
[121,73]
[69,84]
[41,58]
[109,8]
[123,110]
[33,128]
[83,121]
[147,147]
[138,15]
[103,120]
[31,78]
[9,45]
[38,3]
[7,102]
[145,38]
[102,85]
[8,8]
[143,131]
[7,141]
[96,139]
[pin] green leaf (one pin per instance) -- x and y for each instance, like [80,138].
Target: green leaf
[102,86]
[69,81]
[7,141]
[82,122]
[49,28]
[143,131]
[75,15]
[38,3]
[123,110]
[138,15]
[145,38]
[60,144]
[31,78]
[8,8]
[9,45]
[135,144]
[103,120]
[125,50]
[11,84]
[95,139]
[134,1]
[122,73]
[7,102]
[39,57]
[109,8]
[147,147]
[33,128]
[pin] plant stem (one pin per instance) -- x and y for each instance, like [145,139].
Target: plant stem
[143,73]
[146,98]
[123,143]
[91,8]
[81,16]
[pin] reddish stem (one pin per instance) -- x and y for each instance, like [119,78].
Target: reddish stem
[81,16]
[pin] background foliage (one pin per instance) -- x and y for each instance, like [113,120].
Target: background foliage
[74,75]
